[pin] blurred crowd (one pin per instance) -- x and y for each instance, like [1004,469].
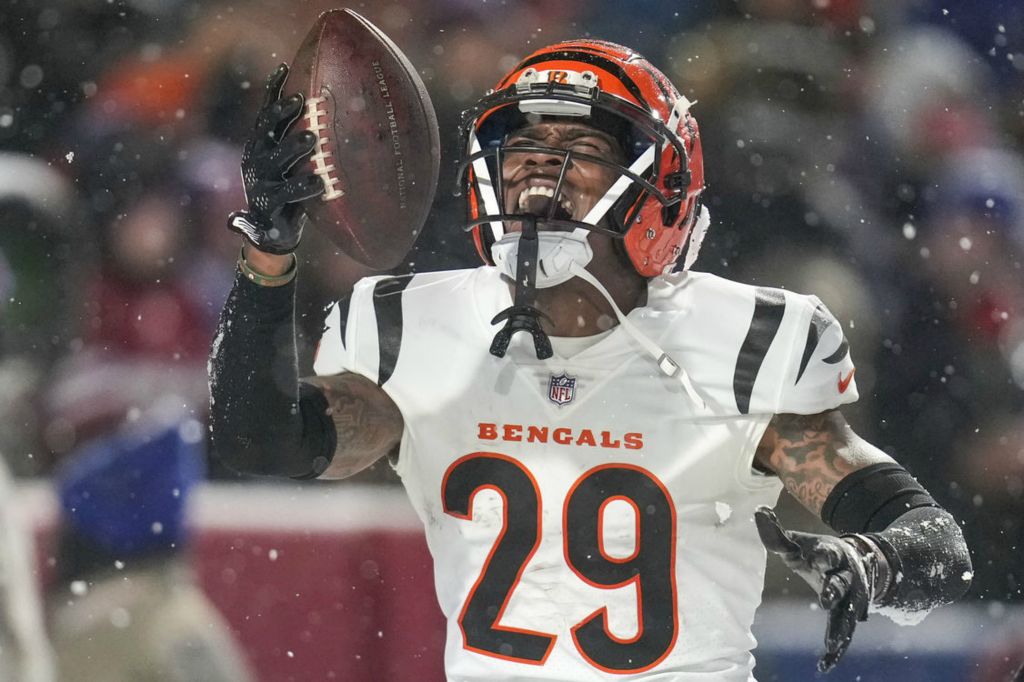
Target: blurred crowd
[868,151]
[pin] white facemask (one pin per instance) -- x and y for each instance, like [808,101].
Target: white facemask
[556,253]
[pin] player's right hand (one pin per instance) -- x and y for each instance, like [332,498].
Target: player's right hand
[272,222]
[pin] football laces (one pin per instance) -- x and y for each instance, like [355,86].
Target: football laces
[316,108]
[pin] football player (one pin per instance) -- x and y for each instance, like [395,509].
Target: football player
[596,490]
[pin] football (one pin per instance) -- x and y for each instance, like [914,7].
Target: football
[377,149]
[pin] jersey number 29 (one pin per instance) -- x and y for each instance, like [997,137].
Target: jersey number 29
[650,568]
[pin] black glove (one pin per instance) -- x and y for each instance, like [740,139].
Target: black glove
[845,573]
[272,222]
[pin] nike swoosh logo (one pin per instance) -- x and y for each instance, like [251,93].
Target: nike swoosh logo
[248,228]
[845,383]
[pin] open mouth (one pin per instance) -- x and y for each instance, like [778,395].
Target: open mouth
[538,199]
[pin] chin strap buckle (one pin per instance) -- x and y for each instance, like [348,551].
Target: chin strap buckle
[668,365]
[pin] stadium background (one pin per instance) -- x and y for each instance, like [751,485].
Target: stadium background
[868,152]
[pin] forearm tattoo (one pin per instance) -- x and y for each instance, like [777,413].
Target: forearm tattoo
[811,453]
[365,418]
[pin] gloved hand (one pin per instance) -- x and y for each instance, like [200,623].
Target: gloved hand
[845,573]
[272,222]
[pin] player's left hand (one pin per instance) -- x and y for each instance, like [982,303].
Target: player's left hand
[836,568]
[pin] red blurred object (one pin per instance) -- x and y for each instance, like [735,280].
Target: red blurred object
[158,320]
[331,606]
[843,14]
[316,582]
[989,316]
[151,91]
[947,127]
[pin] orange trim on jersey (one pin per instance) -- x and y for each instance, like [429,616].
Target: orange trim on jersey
[603,611]
[600,529]
[483,571]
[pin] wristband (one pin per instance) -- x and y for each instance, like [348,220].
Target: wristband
[880,573]
[266,280]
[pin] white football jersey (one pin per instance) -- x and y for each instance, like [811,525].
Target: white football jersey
[588,519]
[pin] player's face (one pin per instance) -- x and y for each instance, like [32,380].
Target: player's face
[530,177]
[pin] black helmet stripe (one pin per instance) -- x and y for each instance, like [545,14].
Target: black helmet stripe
[657,81]
[594,60]
[644,64]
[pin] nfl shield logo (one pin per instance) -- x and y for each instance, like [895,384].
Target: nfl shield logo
[562,389]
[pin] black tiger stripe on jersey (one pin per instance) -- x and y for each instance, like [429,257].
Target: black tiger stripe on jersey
[311,327]
[387,308]
[819,323]
[769,307]
[841,352]
[820,320]
[343,309]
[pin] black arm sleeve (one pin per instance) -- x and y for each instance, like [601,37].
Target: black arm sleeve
[262,420]
[927,557]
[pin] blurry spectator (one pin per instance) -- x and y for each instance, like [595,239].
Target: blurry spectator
[143,307]
[144,320]
[51,55]
[43,261]
[926,96]
[212,188]
[126,607]
[25,654]
[988,466]
[951,379]
[994,28]
[142,327]
[772,75]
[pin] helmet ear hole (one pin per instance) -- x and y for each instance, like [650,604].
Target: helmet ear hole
[678,181]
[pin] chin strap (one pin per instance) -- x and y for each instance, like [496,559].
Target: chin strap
[665,363]
[522,315]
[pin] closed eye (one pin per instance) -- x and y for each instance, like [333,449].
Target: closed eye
[523,142]
[592,147]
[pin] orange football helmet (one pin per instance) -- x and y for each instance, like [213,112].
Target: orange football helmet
[654,204]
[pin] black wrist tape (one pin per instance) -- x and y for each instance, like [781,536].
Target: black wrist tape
[870,499]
